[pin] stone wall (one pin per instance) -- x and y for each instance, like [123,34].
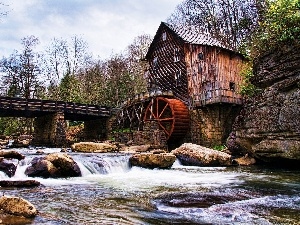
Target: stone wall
[151,135]
[268,126]
[211,125]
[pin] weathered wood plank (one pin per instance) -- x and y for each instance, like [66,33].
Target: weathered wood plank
[19,104]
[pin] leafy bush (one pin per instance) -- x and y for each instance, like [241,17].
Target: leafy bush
[11,126]
[247,88]
[279,25]
[219,147]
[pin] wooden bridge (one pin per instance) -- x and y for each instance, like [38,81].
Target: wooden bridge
[30,108]
[50,118]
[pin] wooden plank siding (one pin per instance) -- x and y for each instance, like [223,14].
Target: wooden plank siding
[214,78]
[169,71]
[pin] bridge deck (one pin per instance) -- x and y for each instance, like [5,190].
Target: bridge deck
[35,107]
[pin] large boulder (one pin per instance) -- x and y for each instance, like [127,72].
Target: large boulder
[11,155]
[7,167]
[20,143]
[41,168]
[268,126]
[152,160]
[94,147]
[53,165]
[17,206]
[196,155]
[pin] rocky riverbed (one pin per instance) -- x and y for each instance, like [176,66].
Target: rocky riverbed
[111,191]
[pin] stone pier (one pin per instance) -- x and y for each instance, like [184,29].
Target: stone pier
[50,130]
[212,124]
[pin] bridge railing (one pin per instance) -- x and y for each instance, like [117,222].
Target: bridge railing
[53,106]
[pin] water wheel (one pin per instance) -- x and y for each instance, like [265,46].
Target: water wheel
[172,116]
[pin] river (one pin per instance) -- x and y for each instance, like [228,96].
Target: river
[110,192]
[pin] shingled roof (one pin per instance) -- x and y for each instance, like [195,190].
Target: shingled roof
[193,36]
[189,35]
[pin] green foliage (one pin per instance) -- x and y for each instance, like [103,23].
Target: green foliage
[67,72]
[247,88]
[10,126]
[69,90]
[76,123]
[219,147]
[280,25]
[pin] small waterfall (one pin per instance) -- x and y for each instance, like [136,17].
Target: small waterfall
[88,163]
[102,163]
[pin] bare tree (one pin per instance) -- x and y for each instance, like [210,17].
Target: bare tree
[66,57]
[30,69]
[22,75]
[22,72]
[79,58]
[136,53]
[111,81]
[55,60]
[229,21]
[75,76]
[66,60]
[10,68]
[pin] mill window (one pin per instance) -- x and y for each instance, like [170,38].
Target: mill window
[176,55]
[200,56]
[232,86]
[177,77]
[164,36]
[155,63]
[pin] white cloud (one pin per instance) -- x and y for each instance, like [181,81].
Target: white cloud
[107,25]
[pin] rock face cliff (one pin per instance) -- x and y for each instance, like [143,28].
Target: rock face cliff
[268,126]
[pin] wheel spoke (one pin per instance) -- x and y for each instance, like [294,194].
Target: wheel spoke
[157,108]
[166,119]
[163,110]
[151,112]
[165,130]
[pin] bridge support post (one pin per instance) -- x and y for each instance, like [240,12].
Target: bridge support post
[50,130]
[95,130]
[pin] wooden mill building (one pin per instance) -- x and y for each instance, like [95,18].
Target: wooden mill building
[202,73]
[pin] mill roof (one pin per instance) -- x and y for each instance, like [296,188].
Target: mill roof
[193,36]
[190,35]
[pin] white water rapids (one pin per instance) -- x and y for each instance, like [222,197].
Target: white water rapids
[111,192]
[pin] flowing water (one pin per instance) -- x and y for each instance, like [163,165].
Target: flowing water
[110,192]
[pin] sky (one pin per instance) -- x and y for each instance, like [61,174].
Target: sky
[108,26]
